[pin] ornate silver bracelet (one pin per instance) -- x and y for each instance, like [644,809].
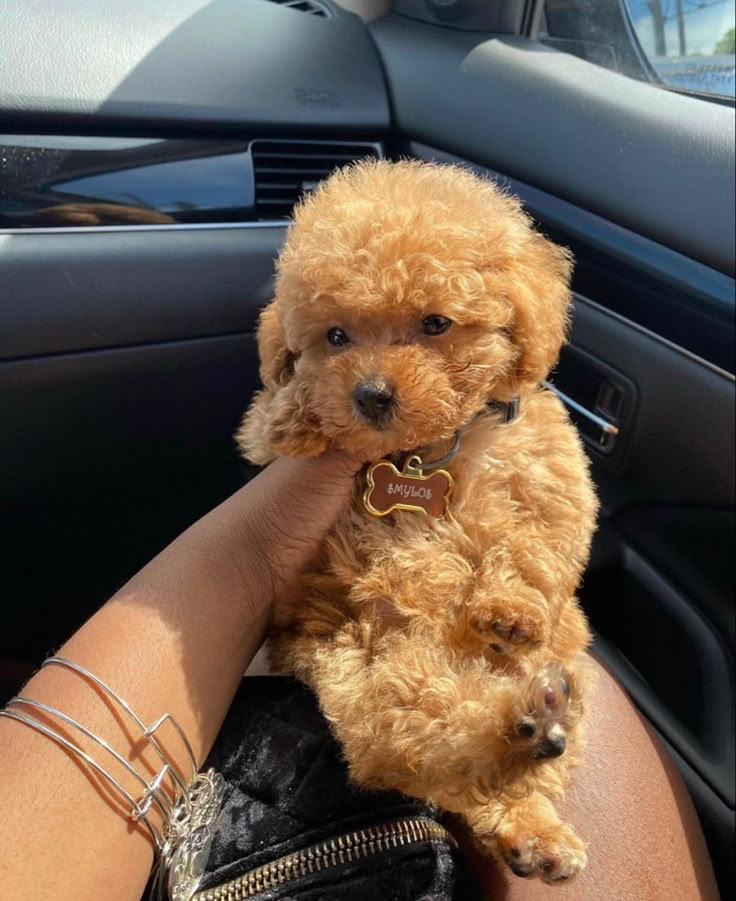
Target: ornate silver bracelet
[188,804]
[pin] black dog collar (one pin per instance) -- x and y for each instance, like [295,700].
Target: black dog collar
[509,409]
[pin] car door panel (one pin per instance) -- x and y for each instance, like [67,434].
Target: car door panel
[90,289]
[609,144]
[127,357]
[677,446]
[659,588]
[111,454]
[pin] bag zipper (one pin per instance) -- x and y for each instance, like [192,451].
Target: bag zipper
[346,848]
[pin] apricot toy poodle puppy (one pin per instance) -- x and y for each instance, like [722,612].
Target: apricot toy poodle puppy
[415,316]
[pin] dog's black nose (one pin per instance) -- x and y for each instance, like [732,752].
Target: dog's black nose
[550,747]
[373,399]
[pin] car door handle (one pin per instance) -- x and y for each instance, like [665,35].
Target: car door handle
[604,433]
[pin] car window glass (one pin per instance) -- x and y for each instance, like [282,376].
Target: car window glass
[685,45]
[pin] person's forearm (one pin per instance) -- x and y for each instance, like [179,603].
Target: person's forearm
[176,639]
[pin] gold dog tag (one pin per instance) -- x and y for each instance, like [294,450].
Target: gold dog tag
[389,490]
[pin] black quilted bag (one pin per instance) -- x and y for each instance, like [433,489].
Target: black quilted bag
[293,827]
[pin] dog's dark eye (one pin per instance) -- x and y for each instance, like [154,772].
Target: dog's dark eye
[435,325]
[337,337]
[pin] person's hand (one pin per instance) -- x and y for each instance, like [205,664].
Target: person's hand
[292,505]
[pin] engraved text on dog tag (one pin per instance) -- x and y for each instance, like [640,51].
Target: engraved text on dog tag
[388,489]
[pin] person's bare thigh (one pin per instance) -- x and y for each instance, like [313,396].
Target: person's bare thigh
[629,802]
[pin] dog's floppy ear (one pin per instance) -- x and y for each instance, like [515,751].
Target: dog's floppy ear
[279,421]
[540,294]
[277,361]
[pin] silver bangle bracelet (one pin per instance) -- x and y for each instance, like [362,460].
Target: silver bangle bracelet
[188,804]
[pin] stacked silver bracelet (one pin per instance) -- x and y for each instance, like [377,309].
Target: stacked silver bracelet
[188,804]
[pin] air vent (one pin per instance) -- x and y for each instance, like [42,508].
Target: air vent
[310,7]
[284,170]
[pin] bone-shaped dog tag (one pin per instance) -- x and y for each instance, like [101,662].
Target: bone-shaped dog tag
[389,490]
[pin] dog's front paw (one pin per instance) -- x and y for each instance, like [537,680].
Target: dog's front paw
[509,618]
[502,633]
[541,715]
[554,853]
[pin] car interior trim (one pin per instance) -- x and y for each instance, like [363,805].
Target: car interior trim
[555,120]
[708,753]
[61,181]
[665,342]
[649,255]
[178,227]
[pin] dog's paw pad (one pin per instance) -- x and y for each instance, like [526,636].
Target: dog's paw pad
[539,721]
[515,631]
[556,855]
[549,691]
[502,635]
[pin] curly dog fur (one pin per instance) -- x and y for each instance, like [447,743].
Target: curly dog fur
[445,653]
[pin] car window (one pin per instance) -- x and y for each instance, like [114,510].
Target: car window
[685,45]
